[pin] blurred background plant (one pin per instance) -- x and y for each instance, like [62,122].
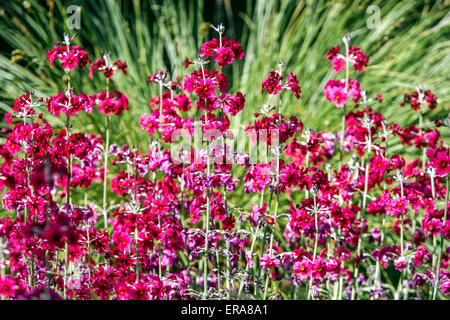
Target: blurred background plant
[410,44]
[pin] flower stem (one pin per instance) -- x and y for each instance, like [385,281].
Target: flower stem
[275,215]
[219,285]
[441,247]
[105,173]
[206,221]
[89,260]
[136,248]
[360,216]
[316,242]
[205,257]
[347,71]
[255,237]
[402,231]
[159,250]
[160,105]
[69,176]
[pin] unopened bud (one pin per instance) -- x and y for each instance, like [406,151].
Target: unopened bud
[346,39]
[221,28]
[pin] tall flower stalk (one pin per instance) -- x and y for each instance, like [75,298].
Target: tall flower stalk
[316,212]
[346,40]
[276,149]
[442,241]
[400,177]
[368,124]
[105,157]
[69,91]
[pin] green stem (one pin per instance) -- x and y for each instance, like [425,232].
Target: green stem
[69,176]
[89,260]
[159,250]
[205,257]
[105,174]
[219,285]
[420,133]
[316,242]
[206,221]
[441,247]
[160,105]
[136,248]
[277,196]
[347,71]
[360,216]
[228,270]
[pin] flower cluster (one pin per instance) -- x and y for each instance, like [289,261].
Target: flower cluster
[337,92]
[70,56]
[417,98]
[101,65]
[355,55]
[273,83]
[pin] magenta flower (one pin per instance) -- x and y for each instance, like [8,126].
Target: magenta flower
[338,64]
[69,60]
[335,92]
[269,262]
[303,268]
[400,264]
[272,83]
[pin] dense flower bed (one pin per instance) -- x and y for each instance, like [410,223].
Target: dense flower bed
[363,222]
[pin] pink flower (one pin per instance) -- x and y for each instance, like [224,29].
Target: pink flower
[224,56]
[335,92]
[205,88]
[333,52]
[70,56]
[231,104]
[400,264]
[272,83]
[292,85]
[160,206]
[354,89]
[319,268]
[109,103]
[258,213]
[249,257]
[338,64]
[8,118]
[69,60]
[439,158]
[432,226]
[150,123]
[257,178]
[359,58]
[303,268]
[396,207]
[269,262]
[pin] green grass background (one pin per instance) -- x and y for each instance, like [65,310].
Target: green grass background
[410,45]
